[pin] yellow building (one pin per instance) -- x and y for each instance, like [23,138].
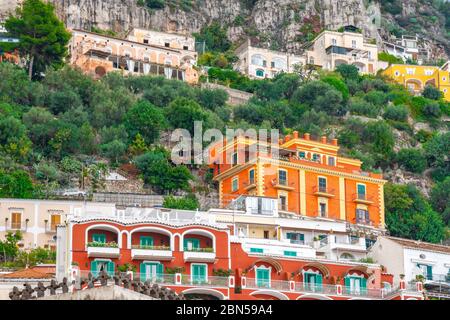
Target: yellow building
[415,77]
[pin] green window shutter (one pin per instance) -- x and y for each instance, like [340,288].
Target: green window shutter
[110,268]
[361,189]
[94,268]
[142,271]
[160,269]
[302,237]
[146,241]
[347,282]
[429,272]
[363,285]
[96,237]
[319,280]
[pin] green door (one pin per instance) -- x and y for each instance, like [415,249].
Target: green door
[262,278]
[146,242]
[191,244]
[198,273]
[152,271]
[99,237]
[98,266]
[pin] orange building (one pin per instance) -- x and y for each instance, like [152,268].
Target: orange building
[308,178]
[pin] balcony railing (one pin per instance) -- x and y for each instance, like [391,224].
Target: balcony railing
[50,228]
[362,197]
[367,222]
[19,226]
[199,255]
[148,247]
[96,244]
[199,249]
[327,289]
[282,184]
[213,281]
[323,191]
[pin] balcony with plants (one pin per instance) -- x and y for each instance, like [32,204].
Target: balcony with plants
[151,244]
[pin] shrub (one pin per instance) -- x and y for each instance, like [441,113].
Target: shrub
[396,113]
[431,92]
[360,107]
[188,202]
[412,160]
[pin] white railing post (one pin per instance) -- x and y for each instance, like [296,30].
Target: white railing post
[339,289]
[177,278]
[243,282]
[231,282]
[291,285]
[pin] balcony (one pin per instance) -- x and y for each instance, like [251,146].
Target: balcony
[16,226]
[103,250]
[282,184]
[50,229]
[199,255]
[141,252]
[322,191]
[212,281]
[249,185]
[326,289]
[366,222]
[362,198]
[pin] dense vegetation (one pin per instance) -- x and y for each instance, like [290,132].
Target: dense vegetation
[58,131]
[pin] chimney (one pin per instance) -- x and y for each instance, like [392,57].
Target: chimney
[306,136]
[323,139]
[334,142]
[295,134]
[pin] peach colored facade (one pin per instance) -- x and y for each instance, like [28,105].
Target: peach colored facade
[37,219]
[308,178]
[141,53]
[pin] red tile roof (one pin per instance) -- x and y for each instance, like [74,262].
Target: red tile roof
[26,274]
[421,245]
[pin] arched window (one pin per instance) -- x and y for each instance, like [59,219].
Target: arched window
[260,73]
[258,60]
[347,256]
[279,63]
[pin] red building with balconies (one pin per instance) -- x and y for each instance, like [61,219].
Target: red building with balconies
[202,260]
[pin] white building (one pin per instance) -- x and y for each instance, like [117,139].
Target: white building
[258,63]
[413,259]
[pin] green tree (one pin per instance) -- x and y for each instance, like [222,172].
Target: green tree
[182,113]
[437,152]
[160,173]
[114,150]
[379,135]
[412,160]
[8,247]
[188,202]
[43,38]
[396,113]
[215,38]
[348,71]
[146,119]
[409,215]
[16,184]
[440,199]
[431,92]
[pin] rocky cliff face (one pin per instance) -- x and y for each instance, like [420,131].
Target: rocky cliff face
[275,23]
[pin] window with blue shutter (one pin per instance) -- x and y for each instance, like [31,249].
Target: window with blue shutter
[319,281]
[99,237]
[263,278]
[191,244]
[256,250]
[198,273]
[94,270]
[110,268]
[290,253]
[146,241]
[361,191]
[153,271]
